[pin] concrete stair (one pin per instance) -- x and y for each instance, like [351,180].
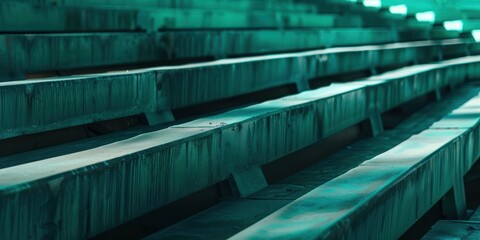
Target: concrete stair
[111,112]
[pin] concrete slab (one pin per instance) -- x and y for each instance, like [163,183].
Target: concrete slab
[193,155]
[32,53]
[405,81]
[109,18]
[151,162]
[355,204]
[243,5]
[46,104]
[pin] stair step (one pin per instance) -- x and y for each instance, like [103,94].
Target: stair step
[242,5]
[72,101]
[36,53]
[22,17]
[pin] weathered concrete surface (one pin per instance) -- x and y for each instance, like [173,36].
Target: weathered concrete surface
[396,87]
[153,21]
[466,117]
[21,17]
[135,176]
[24,17]
[243,5]
[295,186]
[355,13]
[454,203]
[445,229]
[51,105]
[30,53]
[374,200]
[46,104]
[370,201]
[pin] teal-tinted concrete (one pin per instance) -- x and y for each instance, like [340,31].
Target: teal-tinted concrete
[46,104]
[445,229]
[22,17]
[374,200]
[238,214]
[179,155]
[475,216]
[243,5]
[388,92]
[30,53]
[142,173]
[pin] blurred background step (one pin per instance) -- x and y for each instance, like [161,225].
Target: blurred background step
[130,17]
[25,54]
[242,5]
[23,17]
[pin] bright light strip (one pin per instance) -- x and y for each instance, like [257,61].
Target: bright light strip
[425,16]
[372,3]
[456,25]
[398,9]
[476,35]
